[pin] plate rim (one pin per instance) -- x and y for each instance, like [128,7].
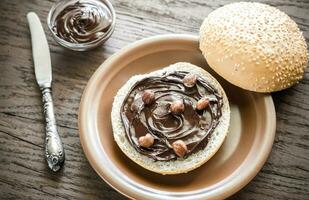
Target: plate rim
[233,185]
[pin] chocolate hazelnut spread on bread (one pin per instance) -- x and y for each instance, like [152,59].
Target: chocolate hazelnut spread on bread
[164,110]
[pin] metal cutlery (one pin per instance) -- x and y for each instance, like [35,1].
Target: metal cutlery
[54,152]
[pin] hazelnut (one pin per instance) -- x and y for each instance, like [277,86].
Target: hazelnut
[202,103]
[189,80]
[148,97]
[146,141]
[180,148]
[177,107]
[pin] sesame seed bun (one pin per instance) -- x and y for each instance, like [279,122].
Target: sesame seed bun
[180,165]
[254,46]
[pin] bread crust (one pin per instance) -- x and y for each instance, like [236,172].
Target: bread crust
[180,165]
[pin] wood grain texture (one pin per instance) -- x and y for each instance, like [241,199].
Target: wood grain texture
[23,172]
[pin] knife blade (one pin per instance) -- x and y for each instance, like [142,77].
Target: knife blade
[54,152]
[40,49]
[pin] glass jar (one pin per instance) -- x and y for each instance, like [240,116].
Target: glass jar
[81,25]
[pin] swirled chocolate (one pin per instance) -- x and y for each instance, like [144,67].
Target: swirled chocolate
[83,21]
[194,127]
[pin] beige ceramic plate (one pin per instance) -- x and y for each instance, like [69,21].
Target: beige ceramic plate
[242,155]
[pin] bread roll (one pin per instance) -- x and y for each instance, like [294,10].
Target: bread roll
[180,165]
[254,46]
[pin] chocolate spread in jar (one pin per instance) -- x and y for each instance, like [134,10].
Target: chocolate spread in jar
[83,21]
[192,126]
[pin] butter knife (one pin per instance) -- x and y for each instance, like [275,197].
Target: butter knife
[54,153]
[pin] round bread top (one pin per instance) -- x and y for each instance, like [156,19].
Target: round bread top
[171,116]
[254,46]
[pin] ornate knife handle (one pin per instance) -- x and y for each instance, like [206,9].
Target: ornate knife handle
[54,153]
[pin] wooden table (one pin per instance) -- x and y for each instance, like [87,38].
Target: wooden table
[23,171]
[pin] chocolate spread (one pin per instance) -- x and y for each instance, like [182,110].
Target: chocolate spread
[192,126]
[83,21]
